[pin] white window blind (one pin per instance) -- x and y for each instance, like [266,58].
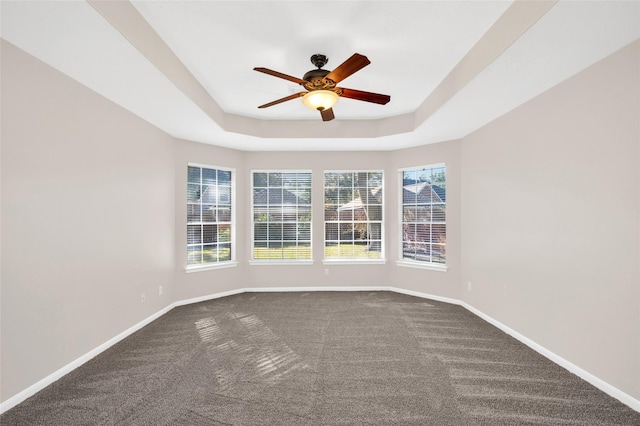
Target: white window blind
[424,197]
[209,215]
[281,215]
[353,210]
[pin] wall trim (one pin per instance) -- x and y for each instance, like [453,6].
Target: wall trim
[38,386]
[567,365]
[583,374]
[304,289]
[425,295]
[205,298]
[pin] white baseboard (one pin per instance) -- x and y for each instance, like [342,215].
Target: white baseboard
[207,297]
[304,289]
[585,375]
[33,389]
[425,295]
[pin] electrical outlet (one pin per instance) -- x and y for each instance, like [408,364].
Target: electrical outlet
[326,271]
[142,297]
[469,285]
[160,290]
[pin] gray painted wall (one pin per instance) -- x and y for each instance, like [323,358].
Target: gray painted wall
[87,220]
[550,199]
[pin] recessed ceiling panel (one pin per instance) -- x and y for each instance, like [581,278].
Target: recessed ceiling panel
[413,47]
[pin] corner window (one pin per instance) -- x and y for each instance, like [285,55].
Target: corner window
[281,215]
[424,225]
[353,209]
[210,199]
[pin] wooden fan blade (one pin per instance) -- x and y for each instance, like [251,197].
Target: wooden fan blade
[327,114]
[355,63]
[287,98]
[280,75]
[359,95]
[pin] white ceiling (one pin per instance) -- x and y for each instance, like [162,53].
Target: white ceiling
[450,67]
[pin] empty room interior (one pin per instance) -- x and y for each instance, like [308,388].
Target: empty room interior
[481,157]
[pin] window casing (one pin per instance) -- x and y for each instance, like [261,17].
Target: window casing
[210,215]
[353,215]
[281,216]
[423,215]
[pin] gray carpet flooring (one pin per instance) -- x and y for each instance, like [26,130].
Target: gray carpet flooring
[320,358]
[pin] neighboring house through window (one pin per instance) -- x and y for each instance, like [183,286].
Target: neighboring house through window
[210,199]
[353,209]
[423,213]
[281,215]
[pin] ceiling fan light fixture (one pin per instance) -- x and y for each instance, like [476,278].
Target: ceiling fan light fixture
[322,92]
[320,100]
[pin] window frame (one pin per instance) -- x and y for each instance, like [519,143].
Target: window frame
[422,264]
[232,261]
[281,261]
[354,260]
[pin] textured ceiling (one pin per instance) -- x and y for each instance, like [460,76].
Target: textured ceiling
[450,67]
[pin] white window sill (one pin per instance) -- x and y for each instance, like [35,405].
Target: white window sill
[275,262]
[354,262]
[422,265]
[210,266]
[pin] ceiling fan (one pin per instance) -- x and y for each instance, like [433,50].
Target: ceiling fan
[322,92]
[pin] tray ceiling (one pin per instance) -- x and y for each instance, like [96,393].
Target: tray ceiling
[450,67]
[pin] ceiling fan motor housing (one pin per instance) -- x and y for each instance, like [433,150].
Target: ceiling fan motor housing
[322,92]
[316,78]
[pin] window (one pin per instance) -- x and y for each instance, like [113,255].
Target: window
[210,194]
[353,206]
[423,222]
[282,215]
